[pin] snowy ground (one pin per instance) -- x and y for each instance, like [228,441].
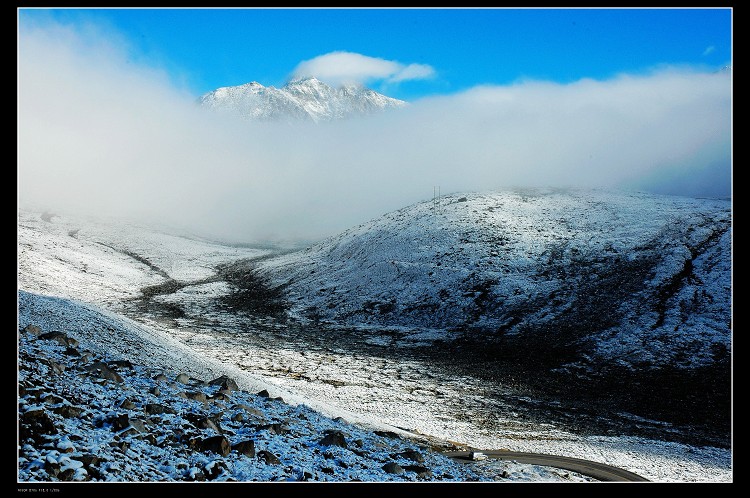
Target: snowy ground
[106,266]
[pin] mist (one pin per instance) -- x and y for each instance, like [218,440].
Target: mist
[100,133]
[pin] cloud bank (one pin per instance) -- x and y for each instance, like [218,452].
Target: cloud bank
[338,68]
[100,134]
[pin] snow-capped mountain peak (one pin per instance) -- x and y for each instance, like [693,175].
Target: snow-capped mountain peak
[304,99]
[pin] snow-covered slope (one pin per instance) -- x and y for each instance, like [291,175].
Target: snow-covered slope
[301,99]
[595,276]
[108,266]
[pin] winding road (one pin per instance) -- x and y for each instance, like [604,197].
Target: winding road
[600,471]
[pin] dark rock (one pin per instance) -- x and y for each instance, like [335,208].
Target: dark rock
[35,423]
[248,409]
[182,378]
[121,364]
[238,417]
[215,469]
[120,422]
[93,473]
[102,370]
[410,455]
[216,444]
[68,411]
[33,392]
[60,337]
[89,459]
[197,396]
[157,409]
[203,422]
[127,405]
[71,351]
[160,377]
[155,391]
[246,448]
[220,396]
[52,399]
[139,425]
[198,475]
[120,445]
[268,457]
[32,329]
[388,434]
[422,472]
[275,428]
[52,468]
[226,383]
[264,394]
[149,437]
[393,468]
[56,368]
[334,438]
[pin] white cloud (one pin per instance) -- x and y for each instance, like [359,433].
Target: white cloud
[98,132]
[708,50]
[413,72]
[347,67]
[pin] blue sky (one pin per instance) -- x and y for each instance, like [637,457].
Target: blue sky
[446,50]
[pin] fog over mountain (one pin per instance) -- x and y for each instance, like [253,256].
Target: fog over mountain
[98,131]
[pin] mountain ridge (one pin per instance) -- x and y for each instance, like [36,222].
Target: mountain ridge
[301,99]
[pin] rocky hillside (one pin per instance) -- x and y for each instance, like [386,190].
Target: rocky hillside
[86,416]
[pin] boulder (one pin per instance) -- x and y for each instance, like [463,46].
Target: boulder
[32,329]
[127,405]
[225,383]
[121,364]
[68,411]
[203,422]
[216,444]
[33,424]
[56,368]
[393,468]
[246,448]
[268,457]
[422,472]
[59,337]
[157,409]
[334,438]
[410,455]
[197,396]
[103,371]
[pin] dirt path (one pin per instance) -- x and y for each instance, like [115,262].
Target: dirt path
[596,470]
